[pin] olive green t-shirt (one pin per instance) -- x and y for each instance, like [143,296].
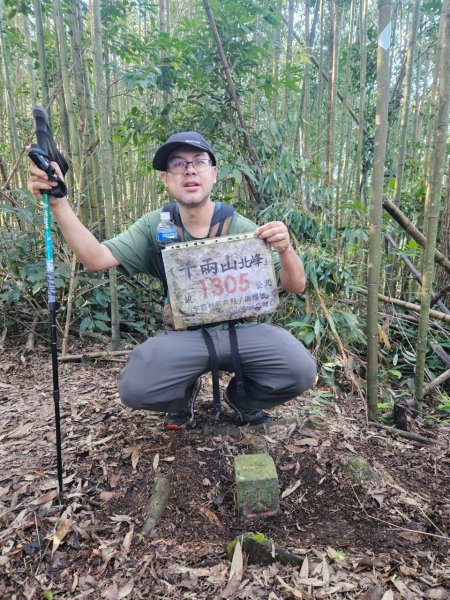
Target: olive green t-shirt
[136,249]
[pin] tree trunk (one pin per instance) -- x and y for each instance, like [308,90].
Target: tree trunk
[276,60]
[375,206]
[319,87]
[9,99]
[432,199]
[237,105]
[41,53]
[443,277]
[432,99]
[30,68]
[105,156]
[290,38]
[406,104]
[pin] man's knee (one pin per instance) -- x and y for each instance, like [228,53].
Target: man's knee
[305,373]
[130,391]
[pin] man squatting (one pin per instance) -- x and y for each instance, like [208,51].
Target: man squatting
[163,374]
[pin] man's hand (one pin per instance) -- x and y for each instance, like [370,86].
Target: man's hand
[276,234]
[39,182]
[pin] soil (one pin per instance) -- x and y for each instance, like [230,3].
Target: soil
[385,537]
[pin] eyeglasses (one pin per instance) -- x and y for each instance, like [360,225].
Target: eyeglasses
[179,166]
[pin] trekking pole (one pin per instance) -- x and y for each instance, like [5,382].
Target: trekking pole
[41,154]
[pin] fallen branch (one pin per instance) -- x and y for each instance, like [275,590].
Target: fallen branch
[439,350]
[406,305]
[406,434]
[417,276]
[441,293]
[410,228]
[93,356]
[438,381]
[156,504]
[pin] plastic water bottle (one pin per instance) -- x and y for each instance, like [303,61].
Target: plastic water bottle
[166,232]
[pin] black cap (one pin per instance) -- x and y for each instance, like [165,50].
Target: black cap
[185,138]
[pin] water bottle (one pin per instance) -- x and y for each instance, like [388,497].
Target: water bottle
[166,232]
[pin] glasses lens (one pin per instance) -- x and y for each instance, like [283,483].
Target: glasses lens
[177,166]
[180,166]
[201,164]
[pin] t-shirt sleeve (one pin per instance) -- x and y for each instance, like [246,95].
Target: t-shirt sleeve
[135,248]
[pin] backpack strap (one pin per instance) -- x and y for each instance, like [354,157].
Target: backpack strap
[221,220]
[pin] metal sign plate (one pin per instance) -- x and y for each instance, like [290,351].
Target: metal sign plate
[219,279]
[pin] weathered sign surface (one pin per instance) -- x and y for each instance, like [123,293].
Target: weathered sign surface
[220,279]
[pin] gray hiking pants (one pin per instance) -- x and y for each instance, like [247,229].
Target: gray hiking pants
[160,372]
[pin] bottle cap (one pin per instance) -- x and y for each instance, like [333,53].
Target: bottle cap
[165,216]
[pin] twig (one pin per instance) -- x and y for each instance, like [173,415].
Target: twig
[406,434]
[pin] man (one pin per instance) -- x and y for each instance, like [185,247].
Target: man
[163,374]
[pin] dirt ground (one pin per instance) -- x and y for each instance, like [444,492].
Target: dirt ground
[386,537]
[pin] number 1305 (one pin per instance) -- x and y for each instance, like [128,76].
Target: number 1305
[219,286]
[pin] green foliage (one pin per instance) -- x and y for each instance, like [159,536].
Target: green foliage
[23,283]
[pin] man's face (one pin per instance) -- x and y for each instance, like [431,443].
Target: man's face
[192,187]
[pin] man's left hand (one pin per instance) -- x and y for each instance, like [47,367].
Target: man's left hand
[276,234]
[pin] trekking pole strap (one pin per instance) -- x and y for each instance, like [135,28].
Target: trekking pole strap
[237,365]
[214,368]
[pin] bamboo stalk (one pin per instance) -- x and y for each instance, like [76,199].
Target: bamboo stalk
[316,63]
[237,104]
[375,204]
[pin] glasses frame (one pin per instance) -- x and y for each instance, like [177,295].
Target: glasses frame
[186,163]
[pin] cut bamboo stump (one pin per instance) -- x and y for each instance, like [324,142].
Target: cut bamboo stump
[260,550]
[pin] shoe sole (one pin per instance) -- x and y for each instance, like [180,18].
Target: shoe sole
[183,427]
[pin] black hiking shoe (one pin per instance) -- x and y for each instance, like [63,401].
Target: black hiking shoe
[185,419]
[246,417]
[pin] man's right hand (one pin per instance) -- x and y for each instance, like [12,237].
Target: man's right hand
[39,182]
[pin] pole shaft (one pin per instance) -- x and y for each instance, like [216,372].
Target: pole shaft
[53,336]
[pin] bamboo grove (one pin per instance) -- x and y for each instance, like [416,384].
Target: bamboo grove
[331,116]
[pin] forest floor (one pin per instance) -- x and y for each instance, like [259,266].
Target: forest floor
[382,539]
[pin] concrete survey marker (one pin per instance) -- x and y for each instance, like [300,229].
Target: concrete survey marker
[257,490]
[220,279]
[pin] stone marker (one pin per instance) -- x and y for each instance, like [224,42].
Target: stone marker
[257,491]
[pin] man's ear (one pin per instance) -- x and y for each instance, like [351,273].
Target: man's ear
[162,176]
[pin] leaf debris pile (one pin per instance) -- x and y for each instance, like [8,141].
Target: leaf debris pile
[384,536]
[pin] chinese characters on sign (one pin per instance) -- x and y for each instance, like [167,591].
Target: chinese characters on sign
[220,279]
